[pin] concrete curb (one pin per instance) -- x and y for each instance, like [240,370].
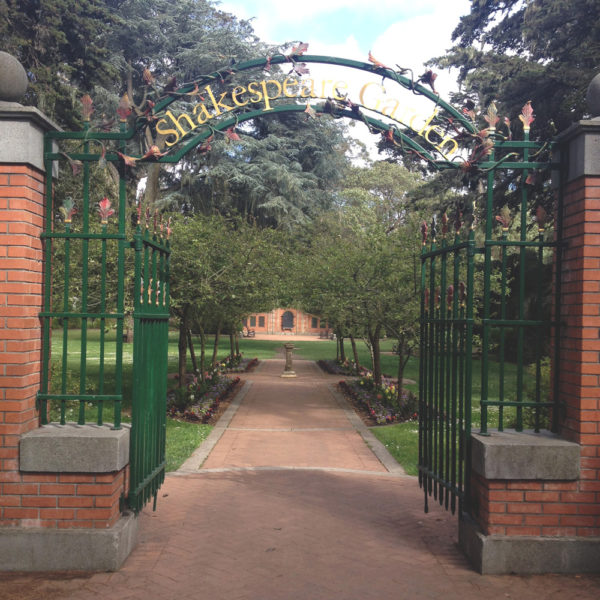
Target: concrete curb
[378,449]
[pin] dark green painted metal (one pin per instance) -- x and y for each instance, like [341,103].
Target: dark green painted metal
[445,369]
[150,358]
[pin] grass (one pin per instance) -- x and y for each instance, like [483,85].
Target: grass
[182,439]
[399,438]
[402,442]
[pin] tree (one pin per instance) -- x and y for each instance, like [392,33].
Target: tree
[513,51]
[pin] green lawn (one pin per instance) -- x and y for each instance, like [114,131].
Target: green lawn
[183,438]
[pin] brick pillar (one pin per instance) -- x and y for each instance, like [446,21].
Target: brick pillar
[21,221]
[60,487]
[536,497]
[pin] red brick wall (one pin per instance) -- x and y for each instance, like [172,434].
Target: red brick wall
[564,508]
[302,322]
[34,499]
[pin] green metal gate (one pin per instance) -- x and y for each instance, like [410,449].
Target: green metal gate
[150,356]
[104,267]
[465,283]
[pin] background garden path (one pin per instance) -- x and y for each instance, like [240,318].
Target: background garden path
[287,501]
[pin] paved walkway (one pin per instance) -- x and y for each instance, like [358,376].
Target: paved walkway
[288,502]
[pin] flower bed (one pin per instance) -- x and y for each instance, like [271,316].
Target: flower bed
[336,367]
[200,400]
[381,403]
[245,365]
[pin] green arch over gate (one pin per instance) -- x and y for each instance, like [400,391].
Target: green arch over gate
[447,116]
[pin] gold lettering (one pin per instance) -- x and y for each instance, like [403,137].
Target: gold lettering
[338,90]
[437,130]
[362,95]
[311,92]
[204,114]
[235,93]
[167,132]
[388,106]
[287,81]
[323,84]
[447,140]
[257,96]
[218,104]
[426,125]
[177,123]
[266,97]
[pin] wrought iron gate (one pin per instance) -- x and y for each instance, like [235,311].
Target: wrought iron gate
[95,288]
[465,293]
[150,359]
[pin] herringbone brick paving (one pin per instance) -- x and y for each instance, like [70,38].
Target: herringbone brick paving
[256,525]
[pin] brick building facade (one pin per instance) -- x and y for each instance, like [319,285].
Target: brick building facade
[287,321]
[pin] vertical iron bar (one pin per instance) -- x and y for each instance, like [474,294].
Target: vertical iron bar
[65,336]
[522,269]
[502,333]
[102,326]
[487,275]
[46,340]
[84,279]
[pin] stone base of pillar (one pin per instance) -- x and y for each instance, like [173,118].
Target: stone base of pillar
[41,549]
[501,554]
[289,374]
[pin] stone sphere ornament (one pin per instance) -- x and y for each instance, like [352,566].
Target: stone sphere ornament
[13,78]
[593,96]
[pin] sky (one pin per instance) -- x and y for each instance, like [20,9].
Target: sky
[403,33]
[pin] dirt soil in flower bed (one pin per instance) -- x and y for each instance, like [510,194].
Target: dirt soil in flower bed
[359,408]
[225,402]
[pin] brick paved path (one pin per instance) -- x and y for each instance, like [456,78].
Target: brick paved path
[292,504]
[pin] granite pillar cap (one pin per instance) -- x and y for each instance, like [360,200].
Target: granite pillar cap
[13,79]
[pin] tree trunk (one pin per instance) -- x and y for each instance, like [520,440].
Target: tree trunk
[376,354]
[342,349]
[403,356]
[182,346]
[355,353]
[202,354]
[192,351]
[216,346]
[232,346]
[237,344]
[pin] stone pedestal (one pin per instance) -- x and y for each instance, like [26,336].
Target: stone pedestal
[288,371]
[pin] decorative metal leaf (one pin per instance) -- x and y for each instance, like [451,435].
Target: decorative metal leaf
[492,115]
[124,108]
[299,50]
[426,299]
[148,77]
[469,110]
[76,165]
[171,85]
[438,296]
[87,107]
[428,78]
[68,209]
[507,123]
[532,178]
[504,218]
[153,152]
[128,160]
[424,232]
[205,146]
[527,117]
[231,135]
[462,288]
[301,69]
[541,216]
[444,224]
[310,112]
[105,210]
[378,64]
[449,295]
[169,230]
